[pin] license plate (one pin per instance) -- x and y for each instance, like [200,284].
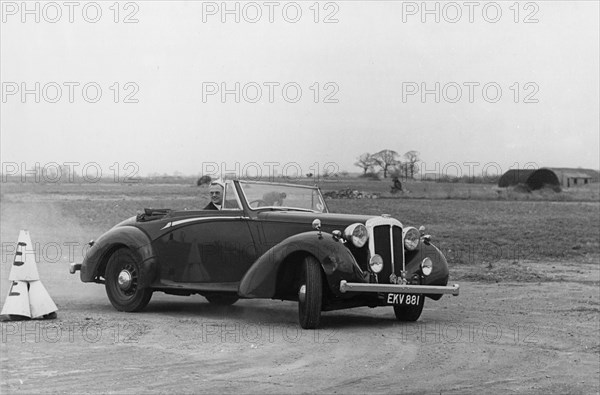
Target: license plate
[403,299]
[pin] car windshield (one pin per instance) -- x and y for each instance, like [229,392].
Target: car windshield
[283,196]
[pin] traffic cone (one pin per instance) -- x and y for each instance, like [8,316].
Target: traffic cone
[27,298]
[24,267]
[40,302]
[16,305]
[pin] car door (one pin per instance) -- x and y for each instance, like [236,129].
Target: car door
[207,249]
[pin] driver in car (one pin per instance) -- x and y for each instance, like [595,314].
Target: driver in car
[216,196]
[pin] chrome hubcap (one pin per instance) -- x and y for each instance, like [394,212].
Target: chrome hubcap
[124,280]
[302,293]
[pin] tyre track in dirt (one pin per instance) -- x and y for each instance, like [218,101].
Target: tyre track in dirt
[200,348]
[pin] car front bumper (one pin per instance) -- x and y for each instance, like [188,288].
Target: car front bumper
[73,267]
[399,289]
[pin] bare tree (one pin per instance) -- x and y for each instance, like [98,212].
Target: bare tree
[412,158]
[400,170]
[386,159]
[365,162]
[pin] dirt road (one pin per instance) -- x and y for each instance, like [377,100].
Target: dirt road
[540,338]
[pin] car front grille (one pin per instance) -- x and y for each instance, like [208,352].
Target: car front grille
[387,242]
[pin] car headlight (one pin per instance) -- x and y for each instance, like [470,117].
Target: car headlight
[427,266]
[376,263]
[411,238]
[357,234]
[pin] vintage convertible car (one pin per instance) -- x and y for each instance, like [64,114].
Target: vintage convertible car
[274,241]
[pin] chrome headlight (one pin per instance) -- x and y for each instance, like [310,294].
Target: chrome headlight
[376,263]
[411,238]
[357,234]
[427,266]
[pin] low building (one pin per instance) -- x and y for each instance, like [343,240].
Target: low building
[575,177]
[534,179]
[551,177]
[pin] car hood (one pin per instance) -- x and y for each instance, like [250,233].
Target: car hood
[303,217]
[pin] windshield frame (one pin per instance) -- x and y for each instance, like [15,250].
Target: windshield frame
[237,198]
[315,188]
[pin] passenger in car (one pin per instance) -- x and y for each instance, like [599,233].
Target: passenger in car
[216,196]
[274,198]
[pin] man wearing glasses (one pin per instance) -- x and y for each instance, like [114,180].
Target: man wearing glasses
[216,196]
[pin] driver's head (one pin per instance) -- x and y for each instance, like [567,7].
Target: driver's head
[216,192]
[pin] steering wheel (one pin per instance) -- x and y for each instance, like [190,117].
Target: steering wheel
[259,203]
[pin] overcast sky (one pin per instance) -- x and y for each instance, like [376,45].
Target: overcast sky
[366,71]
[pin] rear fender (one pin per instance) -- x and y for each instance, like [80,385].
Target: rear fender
[338,263]
[97,256]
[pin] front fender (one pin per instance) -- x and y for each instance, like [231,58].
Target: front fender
[131,237]
[440,272]
[338,263]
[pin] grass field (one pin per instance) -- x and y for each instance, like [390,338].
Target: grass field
[483,232]
[457,190]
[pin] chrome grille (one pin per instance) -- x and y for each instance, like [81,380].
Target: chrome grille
[381,236]
[385,239]
[398,252]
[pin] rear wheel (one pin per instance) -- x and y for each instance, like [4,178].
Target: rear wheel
[222,299]
[410,312]
[122,282]
[310,294]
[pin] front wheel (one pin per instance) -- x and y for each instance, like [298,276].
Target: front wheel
[122,282]
[410,312]
[310,294]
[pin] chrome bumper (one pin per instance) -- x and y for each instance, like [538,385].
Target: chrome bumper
[73,267]
[399,289]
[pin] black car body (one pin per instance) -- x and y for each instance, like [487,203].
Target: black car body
[269,240]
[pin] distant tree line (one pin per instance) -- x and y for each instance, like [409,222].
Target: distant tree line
[390,163]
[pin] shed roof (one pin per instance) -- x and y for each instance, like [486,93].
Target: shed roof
[515,176]
[534,178]
[575,173]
